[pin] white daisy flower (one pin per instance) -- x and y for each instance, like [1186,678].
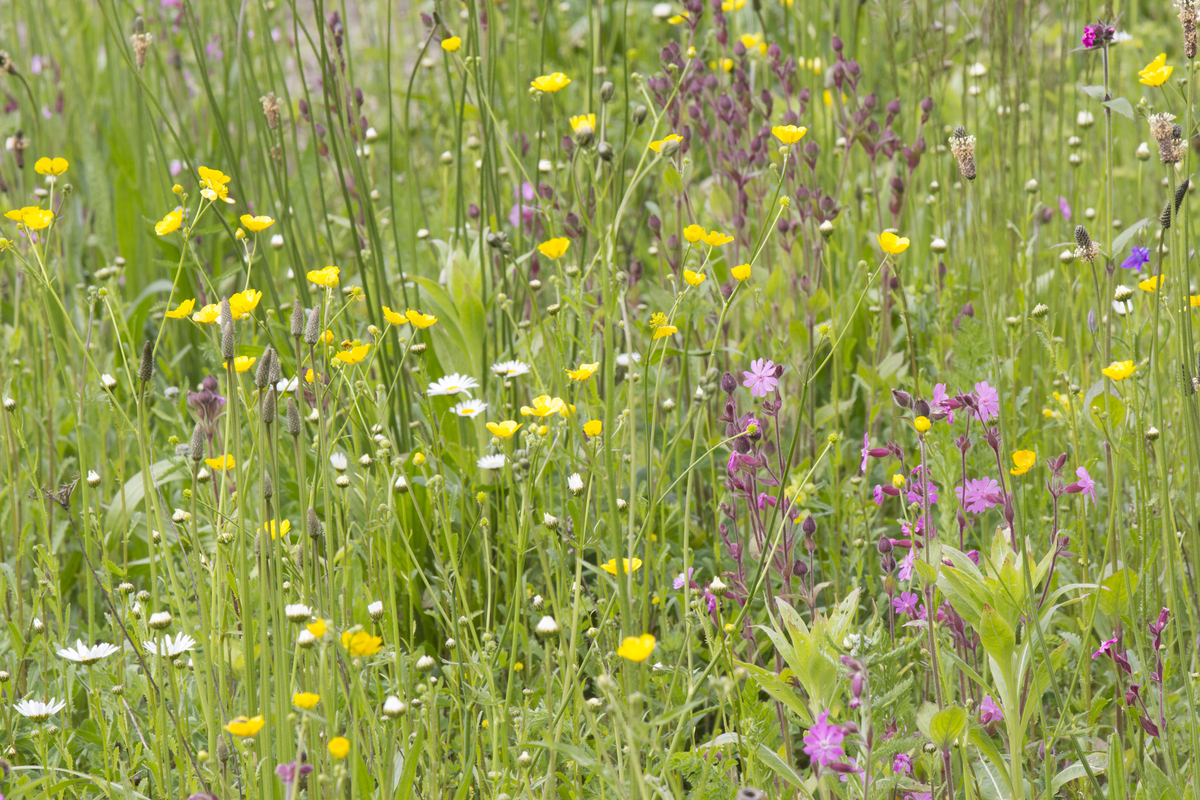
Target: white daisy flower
[469,408]
[510,369]
[171,648]
[297,612]
[108,381]
[492,462]
[38,711]
[394,706]
[338,461]
[375,609]
[575,483]
[160,619]
[547,626]
[452,384]
[305,639]
[624,359]
[287,385]
[82,654]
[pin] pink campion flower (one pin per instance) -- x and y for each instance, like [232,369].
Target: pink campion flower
[760,380]
[979,494]
[906,603]
[1085,485]
[906,566]
[1065,208]
[878,494]
[988,402]
[823,742]
[941,402]
[866,453]
[989,712]
[902,764]
[915,488]
[765,500]
[1105,648]
[681,579]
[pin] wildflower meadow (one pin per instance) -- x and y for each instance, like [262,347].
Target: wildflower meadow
[614,399]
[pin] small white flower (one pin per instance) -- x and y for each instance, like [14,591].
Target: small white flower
[180,515]
[160,619]
[1084,119]
[452,384]
[495,461]
[338,461]
[469,408]
[306,639]
[538,601]
[365,460]
[549,520]
[547,626]
[575,483]
[277,241]
[401,484]
[510,369]
[375,609]
[297,612]
[38,711]
[624,359]
[82,654]
[93,478]
[977,70]
[287,385]
[171,648]
[108,381]
[394,706]
[425,663]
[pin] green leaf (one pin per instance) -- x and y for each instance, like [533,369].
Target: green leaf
[1097,761]
[1103,400]
[948,725]
[672,180]
[1115,591]
[1094,92]
[1119,243]
[997,637]
[776,686]
[1121,106]
[131,495]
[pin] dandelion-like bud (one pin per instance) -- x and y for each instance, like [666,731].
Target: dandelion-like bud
[547,626]
[160,620]
[1181,192]
[962,145]
[270,107]
[315,529]
[146,367]
[297,319]
[312,327]
[1040,311]
[292,421]
[228,348]
[197,446]
[1188,16]
[268,486]
[270,405]
[1087,250]
[607,89]
[222,749]
[262,375]
[1164,219]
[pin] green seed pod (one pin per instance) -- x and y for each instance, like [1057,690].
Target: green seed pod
[146,367]
[197,446]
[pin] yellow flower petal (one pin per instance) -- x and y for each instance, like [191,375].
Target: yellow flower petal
[182,311]
[637,648]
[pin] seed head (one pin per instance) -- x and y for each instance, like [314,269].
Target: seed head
[1169,137]
[1188,16]
[1164,219]
[1181,192]
[312,327]
[197,446]
[146,367]
[297,319]
[228,348]
[262,375]
[962,145]
[141,41]
[268,486]
[270,404]
[226,313]
[292,422]
[315,529]
[270,107]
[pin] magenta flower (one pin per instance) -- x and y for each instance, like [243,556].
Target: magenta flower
[917,488]
[1065,208]
[761,379]
[988,402]
[906,603]
[989,712]
[906,566]
[941,402]
[681,579]
[711,599]
[1085,485]
[979,495]
[823,742]
[902,764]
[866,453]
[1105,648]
[1090,32]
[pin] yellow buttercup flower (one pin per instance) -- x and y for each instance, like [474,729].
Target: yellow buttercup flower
[316,628]
[678,18]
[584,372]
[393,317]
[182,311]
[31,217]
[213,185]
[898,480]
[451,44]
[546,406]
[611,566]
[1023,460]
[694,233]
[51,166]
[420,320]
[1194,300]
[593,427]
[550,83]
[339,746]
[257,224]
[243,303]
[306,700]
[637,648]
[170,223]
[1156,72]
[327,277]
[891,243]
[922,424]
[220,463]
[1119,370]
[354,354]
[656,319]
[750,40]
[741,272]
[580,120]
[664,331]
[281,530]
[209,314]
[1151,284]
[716,239]
[732,5]
[554,248]
[657,146]
[361,643]
[505,429]
[243,363]
[245,727]
[693,278]
[789,134]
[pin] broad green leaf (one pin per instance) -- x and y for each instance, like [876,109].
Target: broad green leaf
[1115,591]
[775,686]
[1097,761]
[1121,106]
[948,725]
[997,636]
